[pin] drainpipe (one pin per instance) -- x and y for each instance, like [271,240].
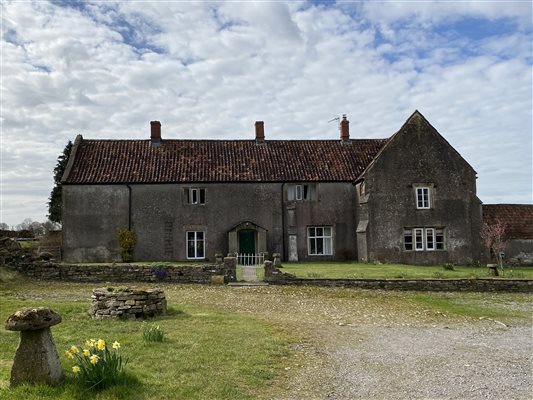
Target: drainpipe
[129,207]
[283,222]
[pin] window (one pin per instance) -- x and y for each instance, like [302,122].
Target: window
[439,239]
[408,239]
[195,245]
[301,192]
[319,241]
[195,195]
[425,239]
[423,200]
[419,239]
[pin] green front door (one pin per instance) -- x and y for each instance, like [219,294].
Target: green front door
[247,242]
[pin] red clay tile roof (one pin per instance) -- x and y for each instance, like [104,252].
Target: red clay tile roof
[517,217]
[134,161]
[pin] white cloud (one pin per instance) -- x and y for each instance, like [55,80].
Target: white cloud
[209,70]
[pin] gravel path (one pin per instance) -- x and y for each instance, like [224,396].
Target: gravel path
[378,345]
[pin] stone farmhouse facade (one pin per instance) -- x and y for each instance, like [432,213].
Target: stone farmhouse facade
[410,198]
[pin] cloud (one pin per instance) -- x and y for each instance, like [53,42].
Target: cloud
[209,70]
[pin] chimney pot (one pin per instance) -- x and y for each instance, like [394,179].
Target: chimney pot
[259,131]
[345,129]
[155,133]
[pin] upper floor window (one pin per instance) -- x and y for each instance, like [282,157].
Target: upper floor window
[319,241]
[423,197]
[301,192]
[195,195]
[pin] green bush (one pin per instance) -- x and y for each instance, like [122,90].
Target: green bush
[96,366]
[448,267]
[127,238]
[153,334]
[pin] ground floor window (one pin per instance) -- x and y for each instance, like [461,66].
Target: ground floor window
[319,241]
[195,245]
[423,239]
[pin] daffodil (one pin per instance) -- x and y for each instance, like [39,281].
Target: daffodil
[68,354]
[74,350]
[100,345]
[90,342]
[86,352]
[116,345]
[75,369]
[94,359]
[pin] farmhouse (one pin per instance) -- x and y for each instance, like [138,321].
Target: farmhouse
[410,198]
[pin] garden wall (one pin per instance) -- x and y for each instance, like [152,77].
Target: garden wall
[275,277]
[129,272]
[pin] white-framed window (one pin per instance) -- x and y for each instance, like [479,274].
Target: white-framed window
[301,192]
[423,239]
[423,197]
[419,239]
[319,241]
[195,195]
[195,245]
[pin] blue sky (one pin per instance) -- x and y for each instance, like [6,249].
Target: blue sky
[210,69]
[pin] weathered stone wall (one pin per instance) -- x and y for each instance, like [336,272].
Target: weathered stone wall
[519,252]
[125,273]
[275,277]
[127,303]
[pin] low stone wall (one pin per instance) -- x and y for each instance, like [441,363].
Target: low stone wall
[128,272]
[127,303]
[275,276]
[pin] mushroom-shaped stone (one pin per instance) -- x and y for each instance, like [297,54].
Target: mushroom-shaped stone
[36,359]
[32,319]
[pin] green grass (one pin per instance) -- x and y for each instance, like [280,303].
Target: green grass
[207,353]
[352,270]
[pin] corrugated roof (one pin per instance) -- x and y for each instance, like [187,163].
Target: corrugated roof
[518,218]
[174,161]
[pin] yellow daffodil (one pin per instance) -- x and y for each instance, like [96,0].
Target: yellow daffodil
[75,369]
[116,345]
[90,342]
[86,352]
[94,359]
[74,350]
[68,354]
[100,345]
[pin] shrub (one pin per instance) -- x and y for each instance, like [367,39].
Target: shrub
[448,267]
[127,239]
[153,334]
[96,366]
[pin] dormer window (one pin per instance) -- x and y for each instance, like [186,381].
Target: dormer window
[423,197]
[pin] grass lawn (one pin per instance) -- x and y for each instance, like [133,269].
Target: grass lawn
[207,353]
[352,270]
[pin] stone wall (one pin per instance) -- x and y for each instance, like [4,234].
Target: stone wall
[275,277]
[129,272]
[127,303]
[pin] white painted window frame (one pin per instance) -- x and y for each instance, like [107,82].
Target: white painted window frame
[429,242]
[425,192]
[323,237]
[415,237]
[299,192]
[195,240]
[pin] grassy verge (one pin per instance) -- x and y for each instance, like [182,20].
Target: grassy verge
[207,353]
[350,270]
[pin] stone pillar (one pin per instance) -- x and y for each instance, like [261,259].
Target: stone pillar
[277,259]
[269,269]
[230,264]
[36,359]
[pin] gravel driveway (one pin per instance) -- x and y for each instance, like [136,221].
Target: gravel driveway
[380,345]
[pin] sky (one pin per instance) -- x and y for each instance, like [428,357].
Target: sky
[209,70]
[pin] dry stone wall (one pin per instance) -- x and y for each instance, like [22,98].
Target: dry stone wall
[127,303]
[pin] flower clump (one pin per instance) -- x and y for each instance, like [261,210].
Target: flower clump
[96,365]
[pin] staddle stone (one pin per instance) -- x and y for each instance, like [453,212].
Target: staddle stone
[36,359]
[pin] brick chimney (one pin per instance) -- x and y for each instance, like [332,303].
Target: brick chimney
[155,133]
[344,127]
[259,131]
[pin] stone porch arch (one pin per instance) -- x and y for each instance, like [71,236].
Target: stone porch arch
[260,236]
